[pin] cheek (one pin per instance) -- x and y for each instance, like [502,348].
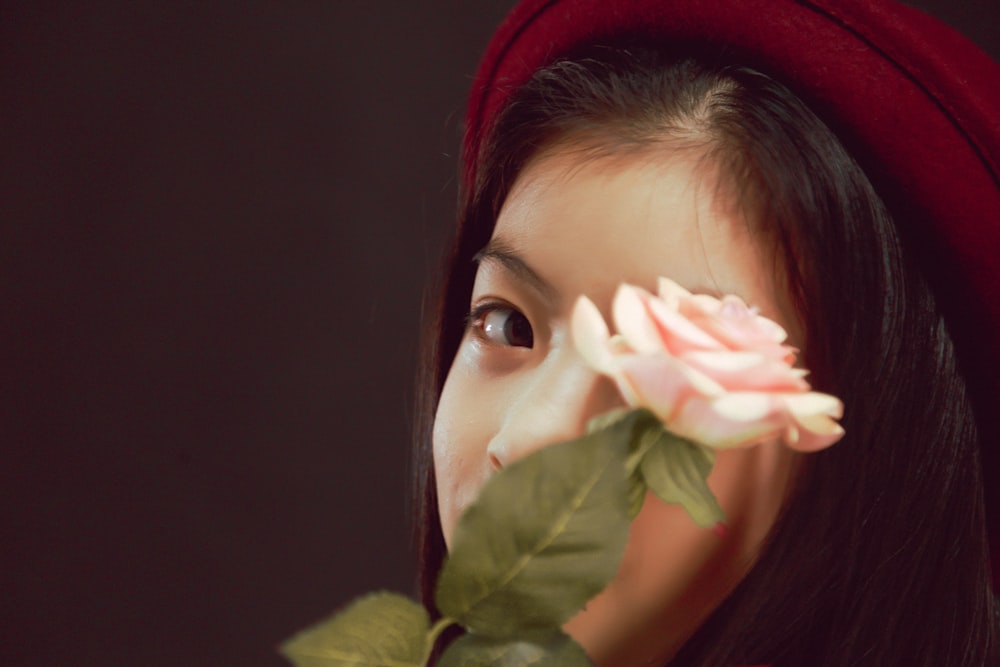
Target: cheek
[460,437]
[674,574]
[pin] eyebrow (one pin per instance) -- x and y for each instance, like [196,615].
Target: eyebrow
[498,251]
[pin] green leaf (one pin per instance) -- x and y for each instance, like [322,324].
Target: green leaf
[608,419]
[676,469]
[378,630]
[556,650]
[646,430]
[546,534]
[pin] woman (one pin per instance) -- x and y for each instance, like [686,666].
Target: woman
[825,165]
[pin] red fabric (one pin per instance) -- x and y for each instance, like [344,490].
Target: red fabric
[915,102]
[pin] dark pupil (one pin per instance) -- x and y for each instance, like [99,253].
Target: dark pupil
[517,330]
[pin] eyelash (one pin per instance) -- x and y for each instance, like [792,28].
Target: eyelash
[475,321]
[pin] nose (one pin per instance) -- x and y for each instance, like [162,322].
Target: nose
[553,404]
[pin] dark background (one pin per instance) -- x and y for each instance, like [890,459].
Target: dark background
[218,222]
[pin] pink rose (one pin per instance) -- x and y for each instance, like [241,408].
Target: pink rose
[713,370]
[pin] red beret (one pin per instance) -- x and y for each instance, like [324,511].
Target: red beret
[916,103]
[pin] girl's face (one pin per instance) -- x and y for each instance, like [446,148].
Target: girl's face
[573,225]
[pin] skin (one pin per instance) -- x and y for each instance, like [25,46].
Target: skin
[575,225]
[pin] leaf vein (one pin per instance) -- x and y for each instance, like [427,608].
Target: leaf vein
[556,529]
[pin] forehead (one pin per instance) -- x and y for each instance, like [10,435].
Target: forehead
[587,224]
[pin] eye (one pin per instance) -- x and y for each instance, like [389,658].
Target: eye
[501,325]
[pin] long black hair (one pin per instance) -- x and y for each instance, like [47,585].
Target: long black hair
[880,555]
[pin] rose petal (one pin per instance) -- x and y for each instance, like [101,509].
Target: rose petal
[813,415]
[680,334]
[699,306]
[732,420]
[814,402]
[671,293]
[662,383]
[736,325]
[726,361]
[591,336]
[753,327]
[714,370]
[632,319]
[815,433]
[618,345]
[747,371]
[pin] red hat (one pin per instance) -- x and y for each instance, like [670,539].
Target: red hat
[916,103]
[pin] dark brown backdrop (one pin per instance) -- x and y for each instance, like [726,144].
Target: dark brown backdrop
[218,220]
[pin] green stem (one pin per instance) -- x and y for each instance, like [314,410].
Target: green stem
[433,634]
